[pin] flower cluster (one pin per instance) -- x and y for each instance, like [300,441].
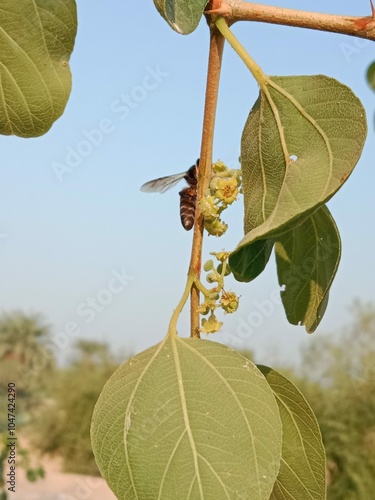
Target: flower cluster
[223,190]
[216,297]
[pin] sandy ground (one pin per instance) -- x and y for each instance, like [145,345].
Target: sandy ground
[60,486]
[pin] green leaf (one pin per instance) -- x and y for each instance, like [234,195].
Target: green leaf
[307,259]
[371,75]
[182,15]
[252,260]
[36,40]
[187,419]
[300,143]
[302,471]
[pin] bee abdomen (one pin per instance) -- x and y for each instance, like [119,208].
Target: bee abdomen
[188,199]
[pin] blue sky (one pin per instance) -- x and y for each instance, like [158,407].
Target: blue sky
[83,246]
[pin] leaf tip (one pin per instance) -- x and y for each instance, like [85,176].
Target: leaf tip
[176,27]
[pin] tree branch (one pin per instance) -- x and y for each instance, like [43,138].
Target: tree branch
[236,10]
[205,165]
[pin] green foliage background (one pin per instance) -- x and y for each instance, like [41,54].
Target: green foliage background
[343,399]
[62,425]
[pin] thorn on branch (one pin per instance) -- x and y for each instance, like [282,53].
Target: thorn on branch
[218,7]
[363,22]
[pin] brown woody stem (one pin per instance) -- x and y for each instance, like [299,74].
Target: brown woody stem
[235,10]
[205,166]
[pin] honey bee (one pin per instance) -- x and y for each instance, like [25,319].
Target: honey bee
[188,195]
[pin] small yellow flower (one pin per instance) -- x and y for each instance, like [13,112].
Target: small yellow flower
[221,256]
[216,227]
[209,208]
[229,302]
[219,167]
[226,190]
[236,174]
[211,325]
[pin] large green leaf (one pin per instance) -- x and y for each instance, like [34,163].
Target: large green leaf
[307,259]
[36,40]
[302,471]
[188,419]
[182,15]
[300,143]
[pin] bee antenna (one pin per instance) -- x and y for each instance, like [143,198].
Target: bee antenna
[197,163]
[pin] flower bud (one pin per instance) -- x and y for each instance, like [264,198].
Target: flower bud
[220,269]
[208,266]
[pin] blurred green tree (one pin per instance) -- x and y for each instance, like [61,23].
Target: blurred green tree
[62,426]
[25,359]
[22,338]
[339,383]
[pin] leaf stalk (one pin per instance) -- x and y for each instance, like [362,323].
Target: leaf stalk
[254,68]
[172,329]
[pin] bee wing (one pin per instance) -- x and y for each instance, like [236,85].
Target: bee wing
[162,184]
